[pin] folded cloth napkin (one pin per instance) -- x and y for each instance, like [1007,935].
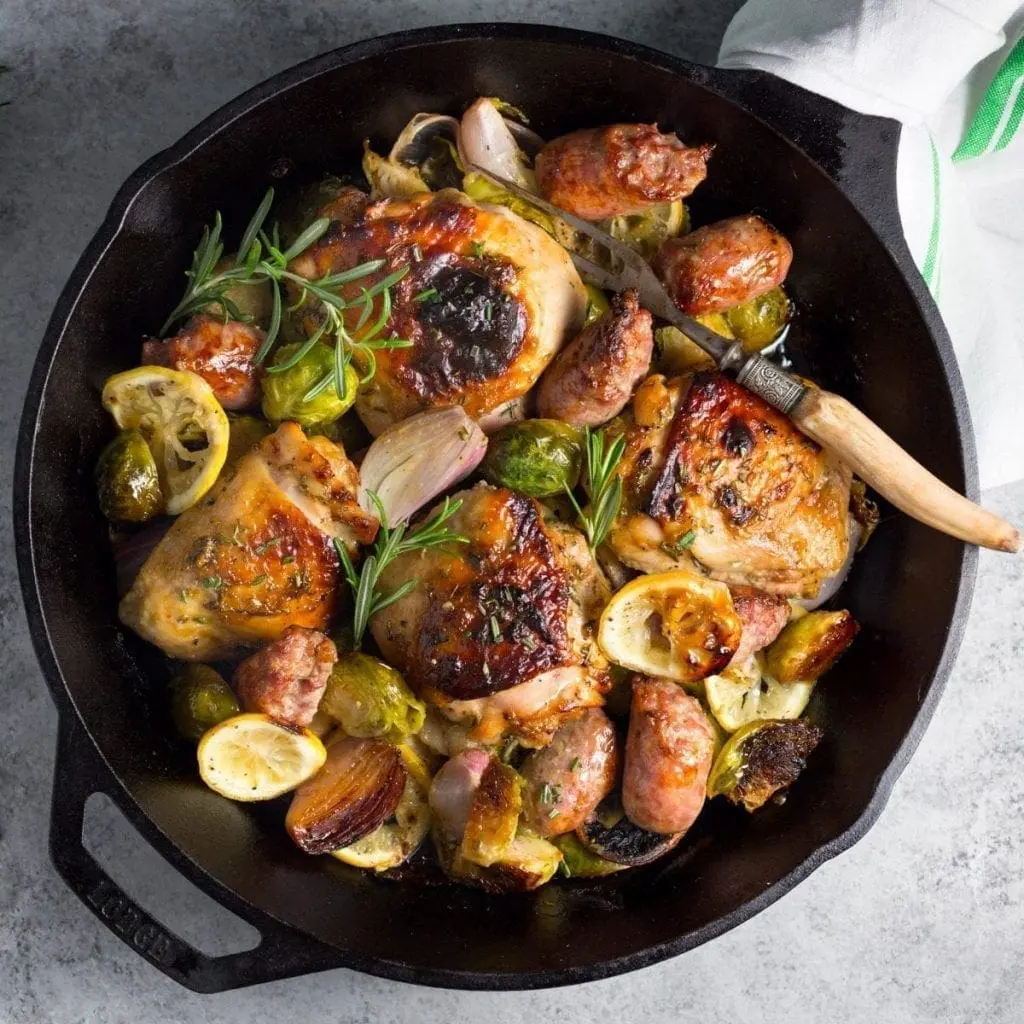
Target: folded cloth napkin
[952,73]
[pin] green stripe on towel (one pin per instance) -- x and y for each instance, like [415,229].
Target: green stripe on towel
[1001,110]
[932,255]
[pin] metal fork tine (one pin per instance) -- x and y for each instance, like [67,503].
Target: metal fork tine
[629,270]
[630,260]
[601,277]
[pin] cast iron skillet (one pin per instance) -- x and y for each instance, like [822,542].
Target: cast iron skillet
[867,328]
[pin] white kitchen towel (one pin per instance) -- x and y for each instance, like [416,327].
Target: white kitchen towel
[953,72]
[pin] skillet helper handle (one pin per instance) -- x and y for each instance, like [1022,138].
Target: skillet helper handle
[80,772]
[881,463]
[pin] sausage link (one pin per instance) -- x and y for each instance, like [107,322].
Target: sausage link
[762,615]
[593,378]
[221,353]
[598,173]
[724,264]
[668,756]
[287,678]
[567,779]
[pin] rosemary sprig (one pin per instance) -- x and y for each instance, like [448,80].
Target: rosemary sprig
[261,258]
[603,486]
[392,542]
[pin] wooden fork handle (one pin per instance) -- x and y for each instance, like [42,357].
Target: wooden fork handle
[880,462]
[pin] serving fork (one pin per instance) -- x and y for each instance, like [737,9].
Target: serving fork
[825,417]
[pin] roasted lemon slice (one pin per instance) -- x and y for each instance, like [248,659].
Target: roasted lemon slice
[252,757]
[745,693]
[674,624]
[393,842]
[645,231]
[183,424]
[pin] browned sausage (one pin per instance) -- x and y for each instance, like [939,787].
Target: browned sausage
[622,168]
[287,678]
[763,616]
[724,264]
[221,353]
[593,378]
[346,207]
[668,756]
[567,779]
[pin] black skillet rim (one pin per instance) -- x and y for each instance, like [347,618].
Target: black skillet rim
[65,308]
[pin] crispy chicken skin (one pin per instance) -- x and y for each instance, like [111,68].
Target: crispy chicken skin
[752,500]
[593,378]
[488,300]
[287,678]
[499,633]
[221,353]
[724,264]
[256,555]
[621,168]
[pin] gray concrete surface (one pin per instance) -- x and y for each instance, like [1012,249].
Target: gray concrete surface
[921,922]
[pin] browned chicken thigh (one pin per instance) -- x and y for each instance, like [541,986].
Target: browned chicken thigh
[487,301]
[593,378]
[598,173]
[256,555]
[717,477]
[499,632]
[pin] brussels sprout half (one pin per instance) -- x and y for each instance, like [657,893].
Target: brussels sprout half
[608,834]
[127,480]
[200,699]
[809,646]
[536,457]
[759,322]
[284,391]
[580,862]
[370,699]
[760,759]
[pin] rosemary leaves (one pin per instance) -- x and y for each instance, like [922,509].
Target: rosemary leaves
[261,258]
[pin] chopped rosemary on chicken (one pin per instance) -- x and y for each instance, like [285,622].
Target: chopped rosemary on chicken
[261,258]
[603,485]
[392,542]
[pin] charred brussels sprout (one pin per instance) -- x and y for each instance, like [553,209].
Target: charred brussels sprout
[200,699]
[127,480]
[760,759]
[535,457]
[370,699]
[284,390]
[757,323]
[527,863]
[809,646]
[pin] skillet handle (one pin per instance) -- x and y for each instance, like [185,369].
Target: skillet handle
[80,772]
